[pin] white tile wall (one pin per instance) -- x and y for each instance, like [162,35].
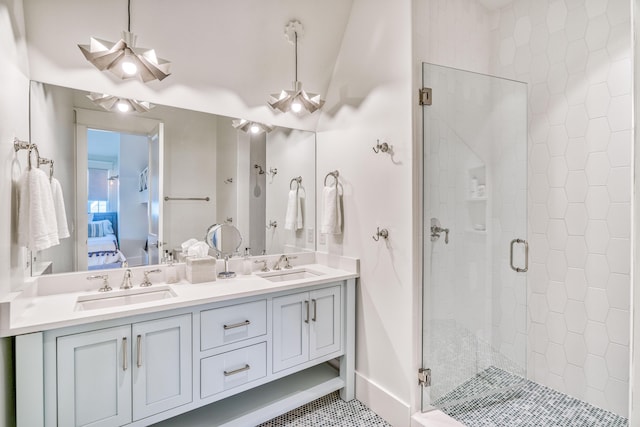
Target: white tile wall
[576,57]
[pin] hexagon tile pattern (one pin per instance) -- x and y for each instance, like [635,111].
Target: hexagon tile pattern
[576,58]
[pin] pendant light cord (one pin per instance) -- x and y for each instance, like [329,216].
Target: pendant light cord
[129,15]
[296,55]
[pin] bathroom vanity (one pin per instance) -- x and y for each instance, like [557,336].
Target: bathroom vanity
[233,352]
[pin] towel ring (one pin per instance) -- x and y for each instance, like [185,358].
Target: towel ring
[335,175]
[297,179]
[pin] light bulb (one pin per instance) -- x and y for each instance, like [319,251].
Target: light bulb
[129,67]
[255,128]
[123,106]
[296,107]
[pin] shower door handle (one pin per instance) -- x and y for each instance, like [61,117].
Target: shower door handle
[526,256]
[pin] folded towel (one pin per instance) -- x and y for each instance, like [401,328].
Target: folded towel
[185,245]
[61,214]
[331,222]
[37,224]
[293,217]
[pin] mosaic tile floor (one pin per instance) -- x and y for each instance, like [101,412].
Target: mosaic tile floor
[526,404]
[329,411]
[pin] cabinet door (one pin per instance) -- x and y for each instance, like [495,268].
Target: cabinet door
[290,330]
[94,378]
[325,324]
[162,376]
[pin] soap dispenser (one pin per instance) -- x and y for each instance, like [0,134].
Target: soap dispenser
[246,262]
[170,271]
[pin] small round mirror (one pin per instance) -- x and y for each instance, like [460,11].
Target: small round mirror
[226,241]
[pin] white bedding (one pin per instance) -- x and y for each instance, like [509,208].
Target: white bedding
[104,250]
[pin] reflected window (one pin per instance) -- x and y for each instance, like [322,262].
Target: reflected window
[98,190]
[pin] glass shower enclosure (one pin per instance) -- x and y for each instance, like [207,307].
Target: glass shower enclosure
[475,231]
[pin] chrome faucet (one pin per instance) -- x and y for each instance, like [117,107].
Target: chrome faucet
[276,266]
[126,280]
[286,259]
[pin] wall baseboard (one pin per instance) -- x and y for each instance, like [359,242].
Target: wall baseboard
[393,410]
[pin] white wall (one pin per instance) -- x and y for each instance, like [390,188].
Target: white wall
[293,153]
[189,171]
[369,99]
[14,122]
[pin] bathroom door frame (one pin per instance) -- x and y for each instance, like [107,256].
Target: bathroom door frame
[122,123]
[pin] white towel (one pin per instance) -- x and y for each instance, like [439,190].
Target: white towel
[37,225]
[61,213]
[331,215]
[293,217]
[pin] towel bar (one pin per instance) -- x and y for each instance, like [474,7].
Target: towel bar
[206,199]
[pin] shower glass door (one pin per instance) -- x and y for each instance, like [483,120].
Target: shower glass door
[475,231]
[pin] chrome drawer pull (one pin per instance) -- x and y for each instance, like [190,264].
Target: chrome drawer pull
[237,371]
[237,325]
[306,304]
[124,353]
[315,310]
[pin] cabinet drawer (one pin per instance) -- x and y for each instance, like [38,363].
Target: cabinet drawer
[232,369]
[233,323]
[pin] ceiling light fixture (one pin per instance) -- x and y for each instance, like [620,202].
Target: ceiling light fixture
[251,127]
[296,100]
[122,105]
[125,60]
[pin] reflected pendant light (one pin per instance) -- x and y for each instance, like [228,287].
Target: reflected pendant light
[251,127]
[297,100]
[117,104]
[123,59]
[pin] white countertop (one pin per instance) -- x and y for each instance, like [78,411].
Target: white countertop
[50,302]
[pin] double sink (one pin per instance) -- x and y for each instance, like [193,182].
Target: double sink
[121,298]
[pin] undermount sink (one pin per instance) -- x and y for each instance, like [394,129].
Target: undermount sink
[123,297]
[287,275]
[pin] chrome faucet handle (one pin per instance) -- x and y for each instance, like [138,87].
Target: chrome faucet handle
[264,264]
[105,281]
[287,259]
[126,280]
[146,282]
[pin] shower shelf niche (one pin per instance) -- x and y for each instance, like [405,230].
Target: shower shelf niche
[477,200]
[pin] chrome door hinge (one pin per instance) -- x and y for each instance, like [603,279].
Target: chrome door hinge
[424,377]
[424,96]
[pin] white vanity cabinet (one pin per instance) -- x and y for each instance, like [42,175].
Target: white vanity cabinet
[306,326]
[113,376]
[237,362]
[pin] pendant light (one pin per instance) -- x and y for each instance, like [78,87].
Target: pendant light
[125,60]
[251,127]
[117,104]
[297,100]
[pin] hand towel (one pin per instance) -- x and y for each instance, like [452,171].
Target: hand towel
[61,214]
[37,224]
[293,217]
[331,222]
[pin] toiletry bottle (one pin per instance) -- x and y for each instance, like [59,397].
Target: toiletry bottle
[170,271]
[246,262]
[474,187]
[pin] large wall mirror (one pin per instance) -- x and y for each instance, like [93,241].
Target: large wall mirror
[138,184]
